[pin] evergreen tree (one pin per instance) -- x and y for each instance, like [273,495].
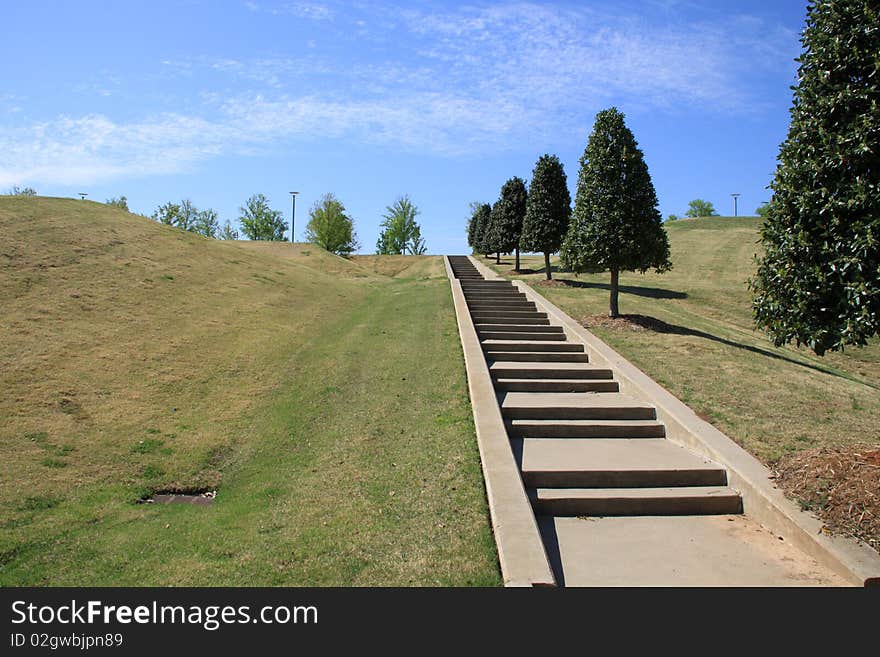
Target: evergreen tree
[507,217]
[548,209]
[616,225]
[478,228]
[818,282]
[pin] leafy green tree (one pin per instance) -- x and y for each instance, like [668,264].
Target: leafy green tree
[228,232]
[186,216]
[121,203]
[548,210]
[673,217]
[167,214]
[818,282]
[491,235]
[478,226]
[700,208]
[508,214]
[330,227]
[206,223]
[616,225]
[401,234]
[260,222]
[15,190]
[763,210]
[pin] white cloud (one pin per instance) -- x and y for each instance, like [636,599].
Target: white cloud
[475,79]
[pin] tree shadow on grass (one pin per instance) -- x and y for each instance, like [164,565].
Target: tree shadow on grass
[652,292]
[659,326]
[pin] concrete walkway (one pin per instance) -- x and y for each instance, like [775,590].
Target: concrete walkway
[616,503]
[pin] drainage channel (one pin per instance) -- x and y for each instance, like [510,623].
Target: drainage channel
[616,502]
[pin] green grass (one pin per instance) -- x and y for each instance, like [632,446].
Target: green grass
[328,406]
[770,400]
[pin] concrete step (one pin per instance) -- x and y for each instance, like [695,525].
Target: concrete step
[612,463]
[514,370]
[501,305]
[537,356]
[509,335]
[621,429]
[474,286]
[493,294]
[517,328]
[520,321]
[513,314]
[576,406]
[675,501]
[555,385]
[531,345]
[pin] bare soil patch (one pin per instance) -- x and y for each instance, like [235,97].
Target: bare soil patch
[841,485]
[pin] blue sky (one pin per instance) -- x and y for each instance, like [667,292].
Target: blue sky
[215,101]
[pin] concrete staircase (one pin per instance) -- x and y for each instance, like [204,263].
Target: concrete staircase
[584,448]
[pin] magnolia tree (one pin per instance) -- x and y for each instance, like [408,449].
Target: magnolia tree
[616,224]
[508,214]
[548,209]
[818,282]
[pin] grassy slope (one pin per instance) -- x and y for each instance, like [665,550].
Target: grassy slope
[327,402]
[770,400]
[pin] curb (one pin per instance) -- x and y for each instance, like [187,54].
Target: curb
[521,552]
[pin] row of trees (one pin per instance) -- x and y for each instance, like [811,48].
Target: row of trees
[818,277]
[615,226]
[330,226]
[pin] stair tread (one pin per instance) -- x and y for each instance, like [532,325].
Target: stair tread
[606,454]
[635,493]
[501,365]
[573,400]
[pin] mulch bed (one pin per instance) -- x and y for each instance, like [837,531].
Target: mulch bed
[841,485]
[636,323]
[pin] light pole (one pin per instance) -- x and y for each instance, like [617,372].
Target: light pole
[82,196]
[292,213]
[734,203]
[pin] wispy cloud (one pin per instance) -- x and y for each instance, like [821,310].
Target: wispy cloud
[473,80]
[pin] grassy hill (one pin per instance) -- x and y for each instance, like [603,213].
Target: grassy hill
[694,334]
[324,398]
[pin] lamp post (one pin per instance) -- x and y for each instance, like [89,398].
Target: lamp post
[734,203]
[292,213]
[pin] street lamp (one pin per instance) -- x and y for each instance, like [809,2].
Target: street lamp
[82,196]
[292,213]
[734,203]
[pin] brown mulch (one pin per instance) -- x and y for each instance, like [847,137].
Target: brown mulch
[637,323]
[841,485]
[523,271]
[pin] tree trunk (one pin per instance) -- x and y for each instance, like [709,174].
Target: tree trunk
[615,279]
[547,265]
[517,260]
[498,257]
